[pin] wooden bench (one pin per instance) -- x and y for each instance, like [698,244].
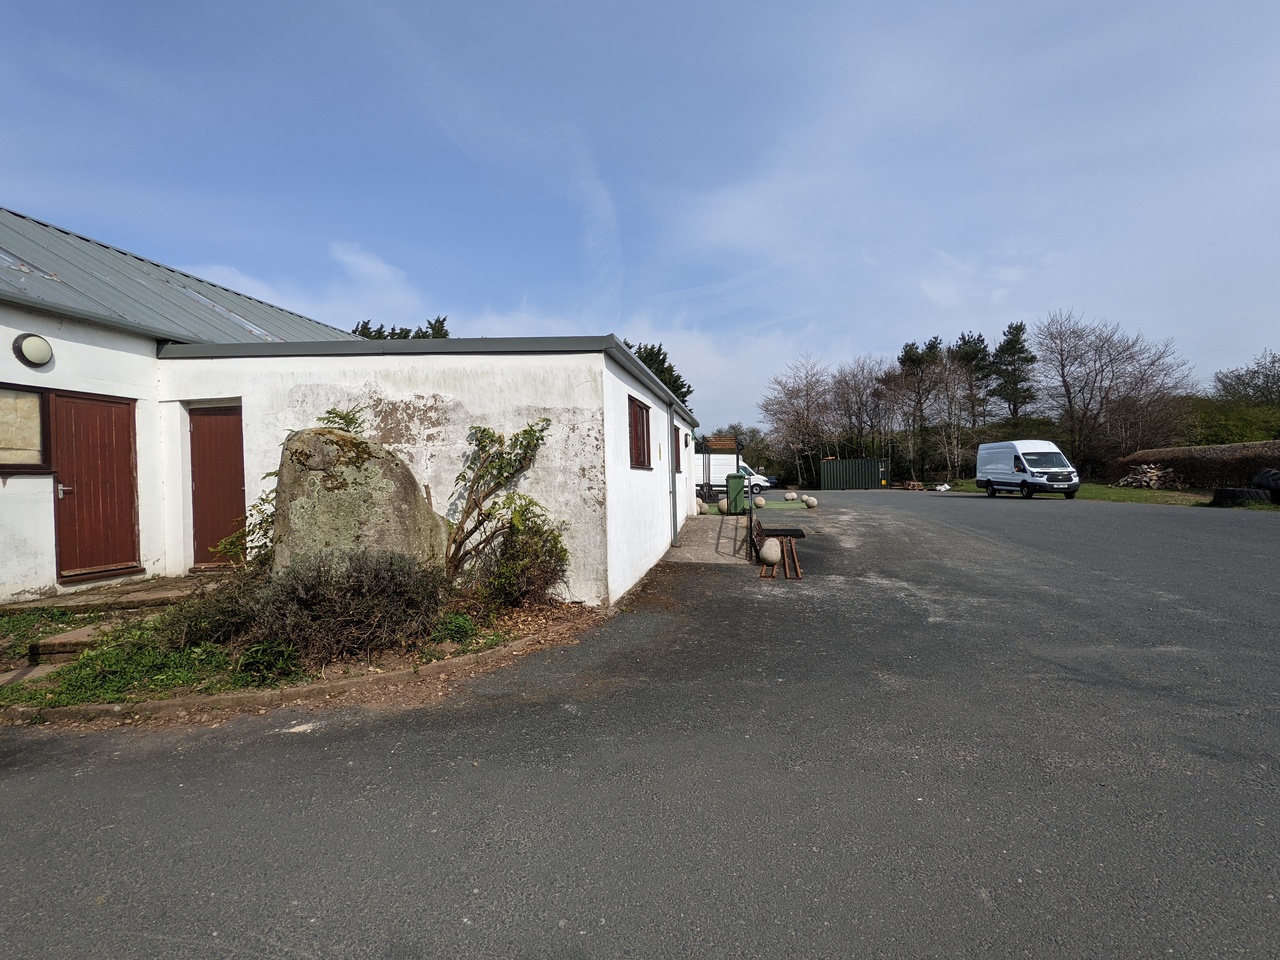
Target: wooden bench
[786,537]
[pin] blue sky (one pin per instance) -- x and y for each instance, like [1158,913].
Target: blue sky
[745,182]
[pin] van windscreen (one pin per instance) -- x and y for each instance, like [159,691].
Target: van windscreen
[1045,461]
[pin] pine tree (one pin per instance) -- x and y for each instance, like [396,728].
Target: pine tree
[432,330]
[654,356]
[1012,367]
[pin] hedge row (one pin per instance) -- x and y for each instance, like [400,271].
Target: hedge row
[1227,465]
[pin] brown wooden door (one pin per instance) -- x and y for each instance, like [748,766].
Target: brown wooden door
[96,486]
[217,478]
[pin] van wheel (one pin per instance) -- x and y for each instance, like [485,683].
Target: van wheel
[757,489]
[991,489]
[1027,492]
[1070,494]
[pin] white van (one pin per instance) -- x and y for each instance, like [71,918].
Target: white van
[1026,466]
[723,464]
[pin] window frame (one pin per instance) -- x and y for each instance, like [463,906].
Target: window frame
[675,448]
[638,434]
[45,466]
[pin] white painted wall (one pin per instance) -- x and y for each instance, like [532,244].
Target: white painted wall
[87,359]
[639,501]
[422,407]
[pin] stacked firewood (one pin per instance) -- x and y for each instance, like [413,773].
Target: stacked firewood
[1152,476]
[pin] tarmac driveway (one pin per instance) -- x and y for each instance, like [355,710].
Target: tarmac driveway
[976,728]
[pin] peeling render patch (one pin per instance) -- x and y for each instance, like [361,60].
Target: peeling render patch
[412,421]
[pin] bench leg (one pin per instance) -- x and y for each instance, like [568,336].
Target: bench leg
[790,559]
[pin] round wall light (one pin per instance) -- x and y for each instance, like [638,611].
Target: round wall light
[32,349]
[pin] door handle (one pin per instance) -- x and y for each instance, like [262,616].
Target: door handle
[64,490]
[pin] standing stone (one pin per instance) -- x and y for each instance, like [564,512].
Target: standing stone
[338,494]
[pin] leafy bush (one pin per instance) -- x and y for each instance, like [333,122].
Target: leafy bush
[529,562]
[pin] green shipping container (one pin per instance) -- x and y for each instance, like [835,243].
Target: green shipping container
[855,474]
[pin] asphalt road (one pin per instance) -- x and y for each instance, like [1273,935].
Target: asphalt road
[976,728]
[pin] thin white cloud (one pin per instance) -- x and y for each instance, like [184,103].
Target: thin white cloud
[366,287]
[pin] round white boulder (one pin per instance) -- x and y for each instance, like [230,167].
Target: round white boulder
[771,552]
[811,503]
[790,495]
[724,505]
[759,502]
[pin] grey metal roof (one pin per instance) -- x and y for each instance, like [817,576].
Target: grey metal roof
[607,344]
[46,268]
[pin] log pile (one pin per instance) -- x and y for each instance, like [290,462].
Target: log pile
[1152,476]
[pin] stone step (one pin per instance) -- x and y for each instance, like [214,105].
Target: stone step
[64,646]
[32,671]
[131,595]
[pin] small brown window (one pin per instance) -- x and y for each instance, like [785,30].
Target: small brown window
[675,446]
[638,417]
[24,446]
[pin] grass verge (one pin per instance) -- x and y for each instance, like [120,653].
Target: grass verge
[129,665]
[1101,491]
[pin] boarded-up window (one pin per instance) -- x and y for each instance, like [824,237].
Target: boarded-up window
[21,428]
[638,415]
[675,446]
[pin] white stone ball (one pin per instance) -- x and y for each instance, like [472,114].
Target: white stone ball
[724,505]
[703,509]
[759,502]
[700,501]
[771,552]
[790,495]
[811,503]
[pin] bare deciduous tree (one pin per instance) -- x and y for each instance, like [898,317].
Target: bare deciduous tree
[859,412]
[1257,385]
[1112,392]
[796,408]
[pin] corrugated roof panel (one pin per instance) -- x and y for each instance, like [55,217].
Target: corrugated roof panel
[51,268]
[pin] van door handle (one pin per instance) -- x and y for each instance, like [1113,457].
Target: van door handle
[64,490]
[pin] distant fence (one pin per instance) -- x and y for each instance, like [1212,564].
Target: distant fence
[855,474]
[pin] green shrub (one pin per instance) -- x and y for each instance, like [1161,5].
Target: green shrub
[529,562]
[455,628]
